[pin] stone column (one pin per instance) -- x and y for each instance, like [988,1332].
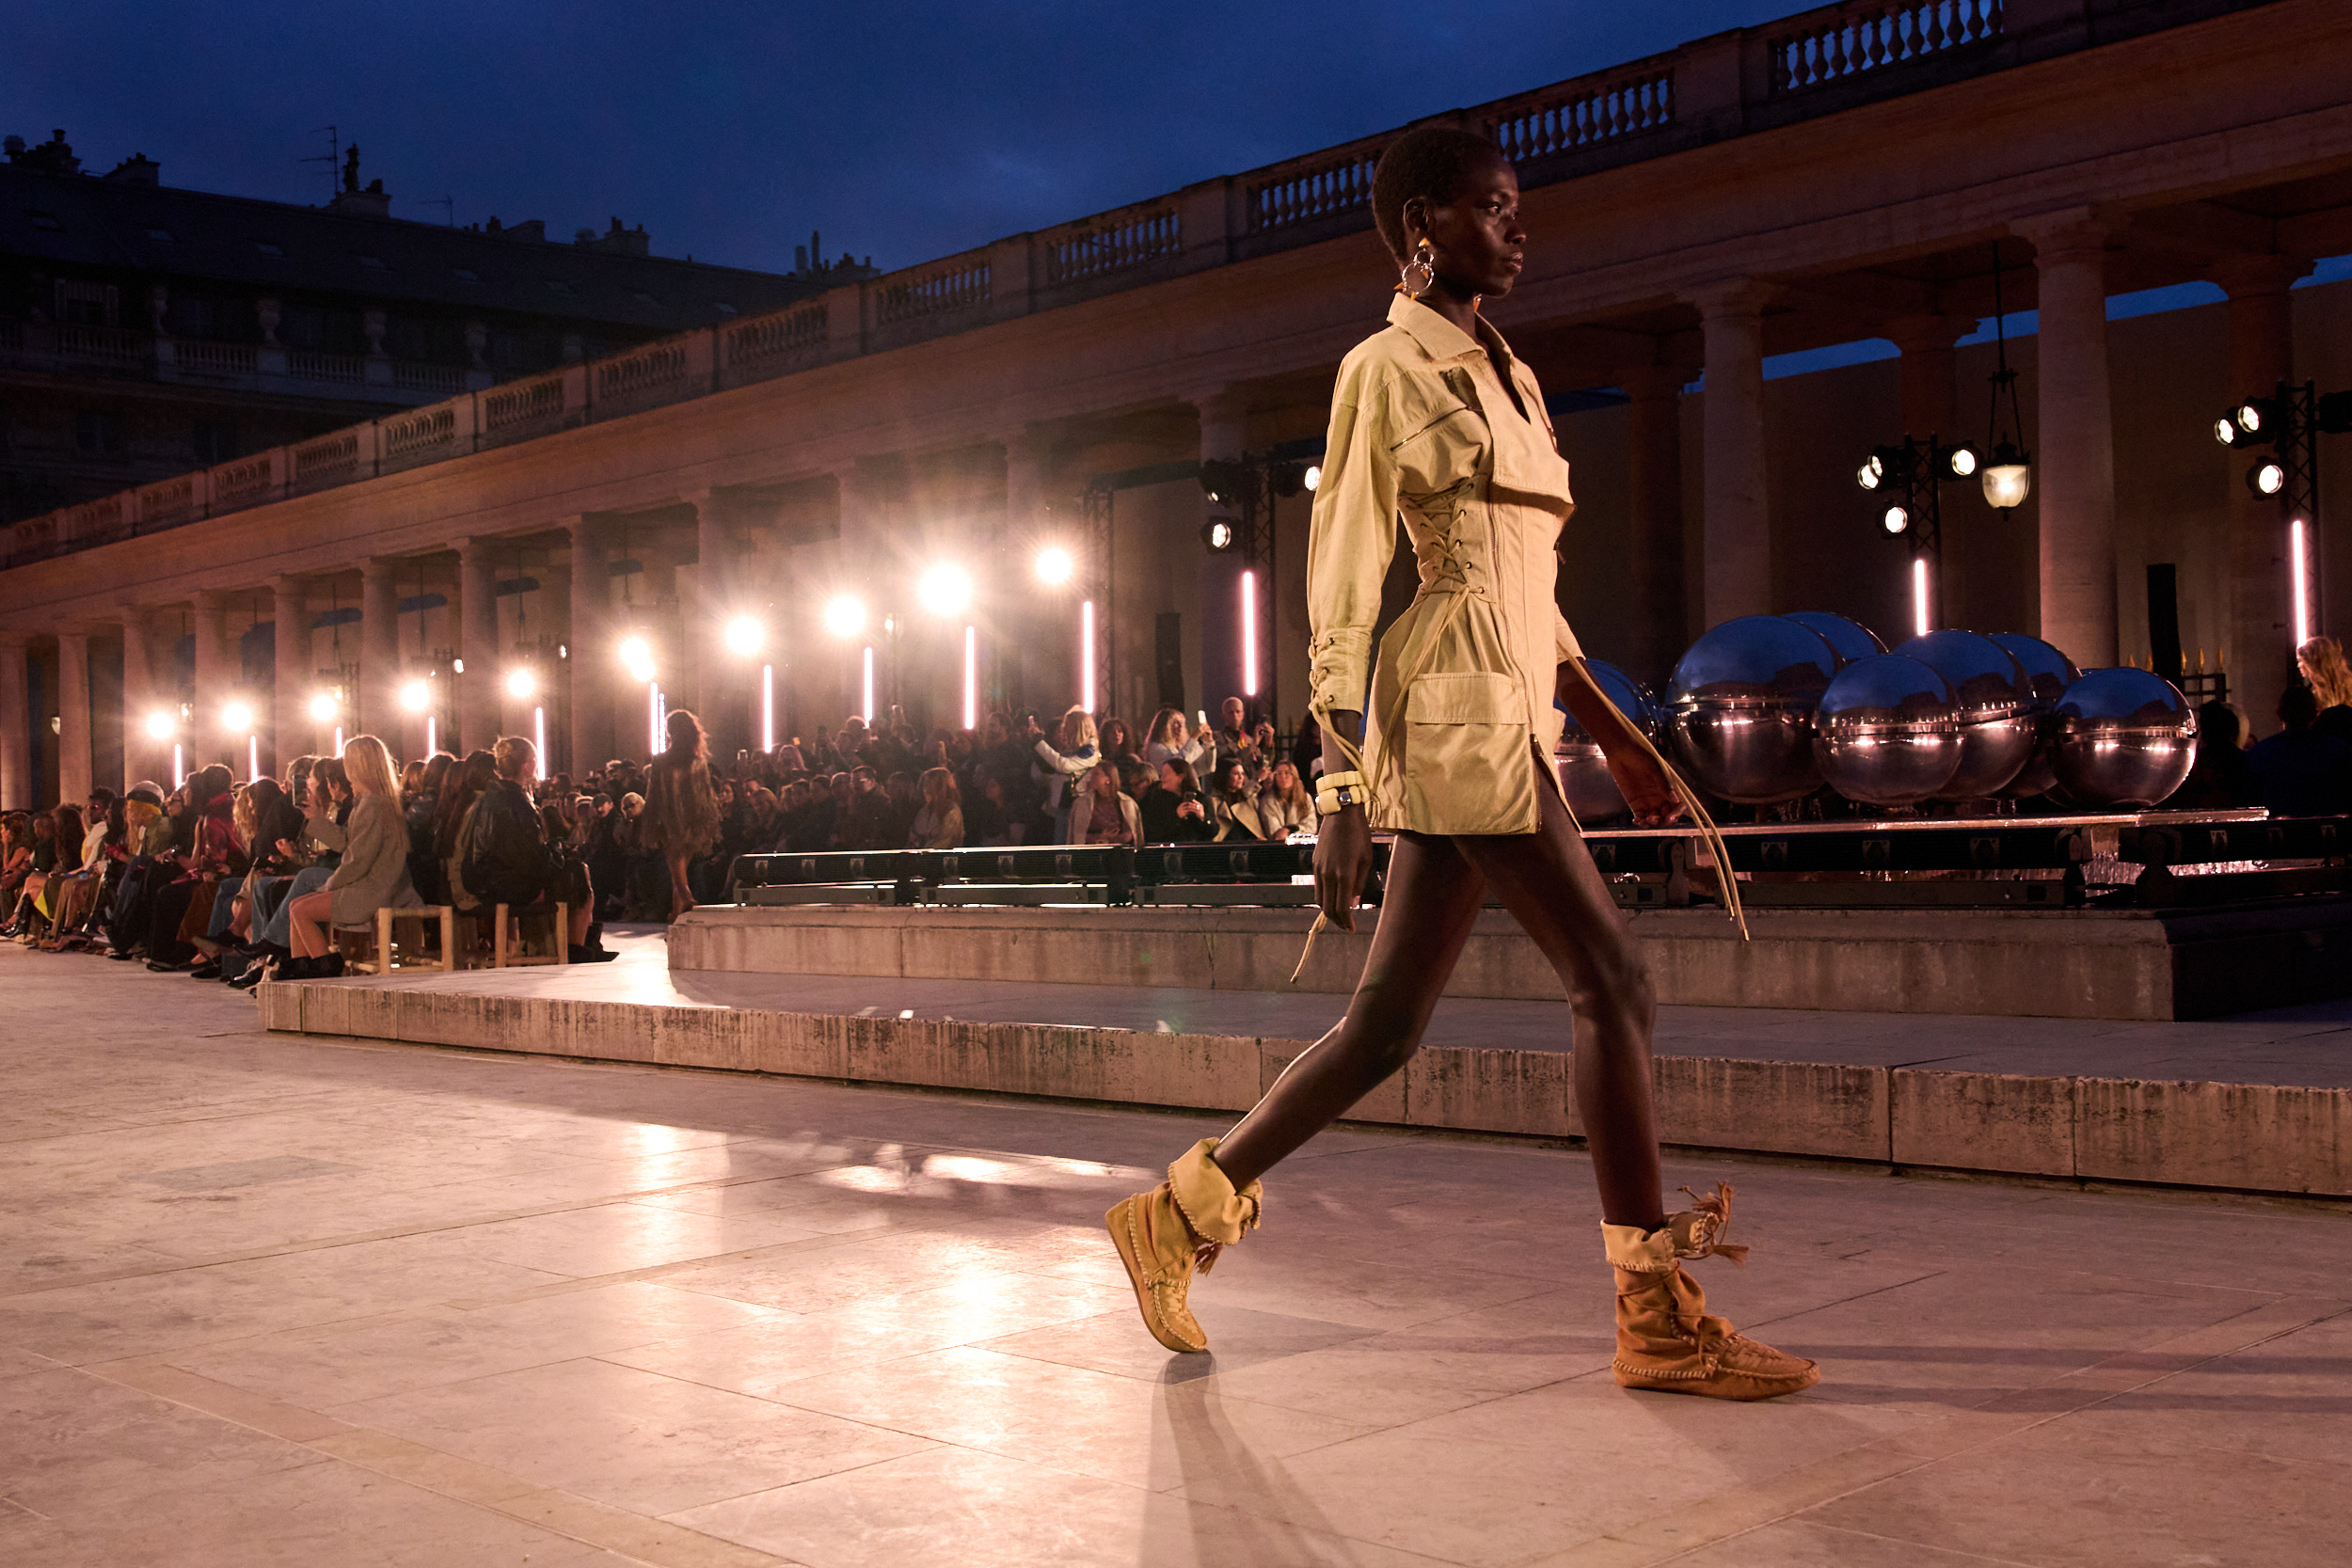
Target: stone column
[378,712]
[592,654]
[19,789]
[2075,445]
[1738,534]
[477,647]
[73,730]
[1654,471]
[216,680]
[1038,622]
[139,698]
[718,679]
[1224,435]
[866,574]
[1929,405]
[293,730]
[2258,656]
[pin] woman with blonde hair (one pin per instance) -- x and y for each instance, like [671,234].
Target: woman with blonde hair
[1170,739]
[373,874]
[939,825]
[1284,805]
[2322,664]
[681,814]
[1100,812]
[1073,749]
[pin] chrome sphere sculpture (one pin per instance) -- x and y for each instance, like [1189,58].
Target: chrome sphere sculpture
[1889,731]
[2000,722]
[1739,709]
[1584,778]
[2050,672]
[2122,737]
[1851,639]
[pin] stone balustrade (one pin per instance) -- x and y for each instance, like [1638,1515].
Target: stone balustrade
[1718,87]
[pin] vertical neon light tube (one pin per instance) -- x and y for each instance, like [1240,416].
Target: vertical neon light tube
[1920,595]
[252,757]
[971,678]
[2298,570]
[339,740]
[180,760]
[1249,634]
[866,689]
[767,708]
[539,740]
[1085,656]
[653,718]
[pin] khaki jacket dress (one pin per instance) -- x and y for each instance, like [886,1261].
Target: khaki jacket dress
[1460,707]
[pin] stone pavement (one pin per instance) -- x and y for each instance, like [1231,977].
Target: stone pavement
[274,1300]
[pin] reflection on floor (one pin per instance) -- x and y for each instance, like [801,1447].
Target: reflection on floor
[269,1300]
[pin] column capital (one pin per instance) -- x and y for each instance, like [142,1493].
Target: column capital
[283,583]
[374,566]
[1731,296]
[2243,275]
[212,598]
[2071,233]
[1927,331]
[476,543]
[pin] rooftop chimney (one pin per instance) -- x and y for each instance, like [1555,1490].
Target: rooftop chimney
[137,169]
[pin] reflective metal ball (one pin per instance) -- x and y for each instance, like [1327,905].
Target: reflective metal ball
[1584,779]
[2122,737]
[1887,732]
[1739,709]
[1851,639]
[2050,673]
[1999,719]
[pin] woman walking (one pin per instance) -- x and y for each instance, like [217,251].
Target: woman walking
[1434,419]
[681,815]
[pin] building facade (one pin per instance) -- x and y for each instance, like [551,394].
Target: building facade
[1857,173]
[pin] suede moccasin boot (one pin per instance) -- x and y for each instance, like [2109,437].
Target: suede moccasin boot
[1666,1340]
[1177,1228]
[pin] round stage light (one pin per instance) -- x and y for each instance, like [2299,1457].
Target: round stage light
[1961,462]
[1055,565]
[160,725]
[237,716]
[1895,519]
[845,615]
[2225,430]
[2249,417]
[322,707]
[637,657]
[745,636]
[415,696]
[2268,478]
[943,589]
[1315,476]
[521,682]
[1870,474]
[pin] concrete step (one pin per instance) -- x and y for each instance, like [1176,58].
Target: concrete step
[2257,1136]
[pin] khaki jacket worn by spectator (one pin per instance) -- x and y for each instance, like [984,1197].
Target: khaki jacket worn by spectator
[1421,429]
[374,874]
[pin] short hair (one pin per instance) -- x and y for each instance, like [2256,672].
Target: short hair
[1428,165]
[514,753]
[2298,707]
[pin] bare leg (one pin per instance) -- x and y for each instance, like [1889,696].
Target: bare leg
[1551,886]
[1432,899]
[306,925]
[681,896]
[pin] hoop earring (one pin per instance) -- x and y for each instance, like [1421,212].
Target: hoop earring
[1424,261]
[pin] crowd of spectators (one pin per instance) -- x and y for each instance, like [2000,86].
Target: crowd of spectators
[2304,769]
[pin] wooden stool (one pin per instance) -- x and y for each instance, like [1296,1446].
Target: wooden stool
[508,948]
[381,954]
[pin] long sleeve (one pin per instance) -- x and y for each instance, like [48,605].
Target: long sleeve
[1350,543]
[324,831]
[368,838]
[1072,765]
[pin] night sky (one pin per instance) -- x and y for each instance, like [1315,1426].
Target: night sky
[731,129]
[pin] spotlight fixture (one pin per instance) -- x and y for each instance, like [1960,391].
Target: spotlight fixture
[237,717]
[845,615]
[160,725]
[1220,535]
[521,682]
[1872,473]
[415,696]
[2225,430]
[943,589]
[637,657]
[1225,481]
[1961,461]
[1313,477]
[1895,519]
[2266,478]
[1055,565]
[324,707]
[745,636]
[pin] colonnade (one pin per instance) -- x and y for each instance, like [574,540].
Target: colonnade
[725,532]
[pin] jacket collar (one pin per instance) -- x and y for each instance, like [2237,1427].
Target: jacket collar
[1439,338]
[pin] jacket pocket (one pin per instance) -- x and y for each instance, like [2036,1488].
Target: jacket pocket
[1468,767]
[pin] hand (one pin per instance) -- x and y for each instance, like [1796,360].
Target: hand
[1343,857]
[1645,786]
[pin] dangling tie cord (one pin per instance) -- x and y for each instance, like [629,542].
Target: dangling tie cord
[1726,880]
